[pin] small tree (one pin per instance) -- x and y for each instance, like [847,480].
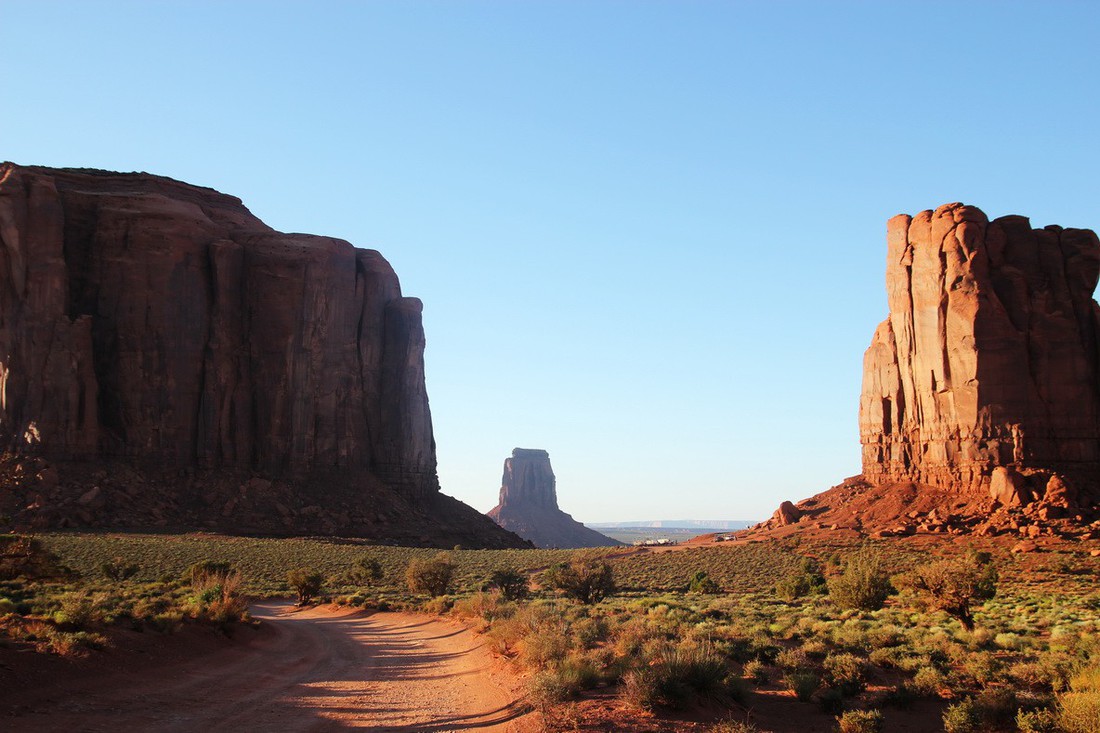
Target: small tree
[511,584]
[306,583]
[366,571]
[118,569]
[955,585]
[587,580]
[703,583]
[430,575]
[864,584]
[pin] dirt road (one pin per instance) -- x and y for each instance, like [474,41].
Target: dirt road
[313,670]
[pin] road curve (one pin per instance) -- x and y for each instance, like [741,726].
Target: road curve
[318,669]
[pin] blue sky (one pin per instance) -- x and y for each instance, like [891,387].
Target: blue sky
[649,236]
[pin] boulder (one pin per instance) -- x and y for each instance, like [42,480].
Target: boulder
[1008,487]
[786,514]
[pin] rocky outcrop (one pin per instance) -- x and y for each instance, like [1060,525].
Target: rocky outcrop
[149,322]
[984,379]
[529,505]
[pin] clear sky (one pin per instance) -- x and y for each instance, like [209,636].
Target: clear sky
[649,236]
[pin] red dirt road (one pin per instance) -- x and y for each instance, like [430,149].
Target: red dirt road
[313,670]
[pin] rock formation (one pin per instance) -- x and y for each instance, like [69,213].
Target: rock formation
[529,505]
[985,376]
[157,325]
[980,409]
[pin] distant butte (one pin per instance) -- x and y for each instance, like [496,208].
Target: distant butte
[980,408]
[529,505]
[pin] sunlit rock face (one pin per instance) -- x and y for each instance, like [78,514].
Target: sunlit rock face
[529,505]
[989,356]
[161,324]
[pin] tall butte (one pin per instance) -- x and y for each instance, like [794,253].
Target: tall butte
[980,407]
[167,359]
[985,378]
[529,505]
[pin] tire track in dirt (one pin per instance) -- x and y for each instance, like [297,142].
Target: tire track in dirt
[313,670]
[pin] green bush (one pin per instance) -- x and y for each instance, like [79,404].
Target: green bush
[367,571]
[305,583]
[860,721]
[511,584]
[1037,721]
[803,684]
[808,580]
[846,672]
[688,672]
[585,580]
[703,583]
[864,584]
[430,575]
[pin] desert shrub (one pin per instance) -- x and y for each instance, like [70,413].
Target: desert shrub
[846,672]
[803,684]
[1037,721]
[306,584]
[79,610]
[954,585]
[982,667]
[587,580]
[860,721]
[993,709]
[430,575]
[701,582]
[962,717]
[793,659]
[927,682]
[864,583]
[511,584]
[1078,710]
[367,571]
[807,580]
[639,689]
[200,573]
[118,569]
[755,671]
[687,672]
[217,595]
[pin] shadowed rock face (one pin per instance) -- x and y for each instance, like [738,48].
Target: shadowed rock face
[529,505]
[989,357]
[150,321]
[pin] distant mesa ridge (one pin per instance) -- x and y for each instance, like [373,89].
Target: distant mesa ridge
[151,330]
[529,505]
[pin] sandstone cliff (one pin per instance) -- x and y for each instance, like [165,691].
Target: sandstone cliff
[160,329]
[989,357]
[529,505]
[980,407]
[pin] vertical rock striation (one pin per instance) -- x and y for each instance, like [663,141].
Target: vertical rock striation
[529,505]
[153,322]
[987,366]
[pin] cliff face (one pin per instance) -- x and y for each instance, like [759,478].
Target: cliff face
[986,370]
[149,321]
[529,505]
